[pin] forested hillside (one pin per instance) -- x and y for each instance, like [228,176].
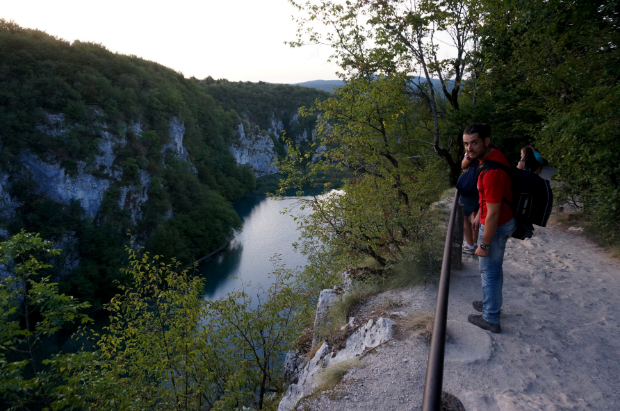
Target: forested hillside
[96,145]
[272,107]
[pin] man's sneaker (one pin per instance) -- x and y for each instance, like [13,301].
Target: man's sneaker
[478,321]
[470,251]
[478,306]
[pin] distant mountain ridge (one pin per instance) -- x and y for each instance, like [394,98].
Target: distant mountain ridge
[330,85]
[325,85]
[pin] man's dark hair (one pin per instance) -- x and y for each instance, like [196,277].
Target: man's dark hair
[482,129]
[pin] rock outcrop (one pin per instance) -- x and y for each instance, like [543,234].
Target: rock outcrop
[255,149]
[304,378]
[177,132]
[7,203]
[52,180]
[86,186]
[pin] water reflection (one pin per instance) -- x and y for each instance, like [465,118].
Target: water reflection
[265,232]
[217,271]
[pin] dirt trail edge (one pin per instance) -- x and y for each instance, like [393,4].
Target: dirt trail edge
[559,348]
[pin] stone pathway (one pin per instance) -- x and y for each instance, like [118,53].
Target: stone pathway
[559,349]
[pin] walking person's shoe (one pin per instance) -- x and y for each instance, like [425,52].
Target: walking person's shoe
[478,321]
[478,306]
[469,251]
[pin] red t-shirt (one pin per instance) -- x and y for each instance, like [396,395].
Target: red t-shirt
[493,187]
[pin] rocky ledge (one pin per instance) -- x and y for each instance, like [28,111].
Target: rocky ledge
[304,375]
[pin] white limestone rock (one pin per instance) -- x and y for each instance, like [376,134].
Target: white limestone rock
[52,180]
[327,298]
[7,203]
[276,126]
[369,336]
[54,126]
[467,343]
[308,379]
[254,149]
[293,364]
[133,197]
[55,183]
[104,161]
[177,132]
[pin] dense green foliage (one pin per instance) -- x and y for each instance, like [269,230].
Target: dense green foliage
[262,102]
[384,206]
[91,91]
[32,312]
[542,72]
[539,72]
[397,38]
[98,90]
[552,77]
[165,347]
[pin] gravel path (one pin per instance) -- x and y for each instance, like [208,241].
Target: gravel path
[559,349]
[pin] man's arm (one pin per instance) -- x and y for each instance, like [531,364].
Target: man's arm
[465,163]
[490,227]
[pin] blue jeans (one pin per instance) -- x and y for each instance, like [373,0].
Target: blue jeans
[491,271]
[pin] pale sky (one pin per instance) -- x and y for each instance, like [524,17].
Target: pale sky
[237,40]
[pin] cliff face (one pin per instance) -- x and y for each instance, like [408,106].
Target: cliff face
[254,149]
[90,183]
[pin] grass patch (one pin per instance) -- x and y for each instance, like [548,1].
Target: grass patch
[304,342]
[422,264]
[369,262]
[448,192]
[341,310]
[312,352]
[422,321]
[339,313]
[332,375]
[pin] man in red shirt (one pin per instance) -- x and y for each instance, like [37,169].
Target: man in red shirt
[496,224]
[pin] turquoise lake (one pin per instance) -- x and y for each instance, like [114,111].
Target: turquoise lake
[265,232]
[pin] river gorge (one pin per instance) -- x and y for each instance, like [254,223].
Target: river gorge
[266,231]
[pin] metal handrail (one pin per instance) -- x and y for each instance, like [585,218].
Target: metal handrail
[434,370]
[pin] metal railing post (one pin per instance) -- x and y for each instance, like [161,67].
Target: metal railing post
[457,244]
[434,370]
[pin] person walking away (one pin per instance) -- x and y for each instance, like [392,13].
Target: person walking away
[496,225]
[528,161]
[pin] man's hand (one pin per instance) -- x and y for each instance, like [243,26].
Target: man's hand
[475,225]
[482,253]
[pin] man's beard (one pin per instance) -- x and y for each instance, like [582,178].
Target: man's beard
[478,154]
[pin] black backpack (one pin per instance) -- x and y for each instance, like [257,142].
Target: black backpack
[532,198]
